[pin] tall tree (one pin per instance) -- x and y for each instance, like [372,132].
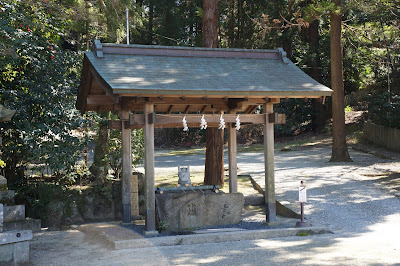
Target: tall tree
[214,165]
[210,23]
[39,80]
[340,151]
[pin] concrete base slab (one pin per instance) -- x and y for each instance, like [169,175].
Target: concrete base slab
[118,237]
[218,230]
[272,224]
[150,233]
[302,224]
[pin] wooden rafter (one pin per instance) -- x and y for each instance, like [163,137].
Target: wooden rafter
[250,109]
[187,109]
[170,109]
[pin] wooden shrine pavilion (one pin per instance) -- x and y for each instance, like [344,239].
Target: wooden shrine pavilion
[157,86]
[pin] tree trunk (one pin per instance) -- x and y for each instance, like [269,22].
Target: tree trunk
[214,165]
[340,152]
[171,24]
[210,23]
[231,23]
[151,19]
[319,115]
[111,27]
[214,169]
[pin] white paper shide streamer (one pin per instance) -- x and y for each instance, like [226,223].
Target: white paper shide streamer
[221,122]
[203,123]
[237,125]
[185,127]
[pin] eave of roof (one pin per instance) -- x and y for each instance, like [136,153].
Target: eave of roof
[143,70]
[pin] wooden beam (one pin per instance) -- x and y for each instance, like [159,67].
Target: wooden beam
[275,100]
[99,100]
[86,82]
[106,87]
[136,121]
[195,118]
[269,196]
[136,104]
[195,100]
[150,226]
[126,169]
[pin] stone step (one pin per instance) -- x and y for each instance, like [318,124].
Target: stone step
[28,224]
[14,213]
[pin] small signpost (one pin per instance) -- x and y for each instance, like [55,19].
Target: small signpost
[302,200]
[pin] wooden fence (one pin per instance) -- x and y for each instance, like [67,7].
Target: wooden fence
[385,136]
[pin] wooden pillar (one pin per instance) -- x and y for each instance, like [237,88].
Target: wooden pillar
[232,158]
[126,168]
[149,168]
[270,202]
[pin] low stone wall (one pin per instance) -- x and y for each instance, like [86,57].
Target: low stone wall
[385,136]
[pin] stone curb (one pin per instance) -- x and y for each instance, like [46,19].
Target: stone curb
[11,237]
[213,237]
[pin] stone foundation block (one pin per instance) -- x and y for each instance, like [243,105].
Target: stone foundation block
[14,247]
[191,210]
[28,224]
[14,213]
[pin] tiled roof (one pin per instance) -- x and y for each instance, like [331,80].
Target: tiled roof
[189,79]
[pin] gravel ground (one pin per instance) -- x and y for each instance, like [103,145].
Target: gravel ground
[347,198]
[342,196]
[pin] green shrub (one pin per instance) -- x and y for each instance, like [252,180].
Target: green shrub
[37,197]
[384,111]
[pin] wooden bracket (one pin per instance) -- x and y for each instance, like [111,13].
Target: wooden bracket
[272,100]
[132,121]
[151,118]
[277,118]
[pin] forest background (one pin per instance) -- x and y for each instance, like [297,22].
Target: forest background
[41,51]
